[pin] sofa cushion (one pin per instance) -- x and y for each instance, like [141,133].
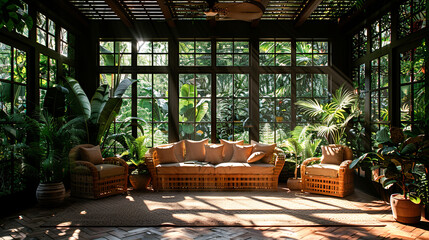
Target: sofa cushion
[195,150]
[166,154]
[256,156]
[179,150]
[244,168]
[91,154]
[228,149]
[268,149]
[214,153]
[241,153]
[185,168]
[326,170]
[332,154]
[109,170]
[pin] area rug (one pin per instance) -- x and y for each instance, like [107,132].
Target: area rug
[203,209]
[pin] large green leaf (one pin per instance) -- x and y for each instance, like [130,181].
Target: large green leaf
[107,116]
[79,103]
[383,136]
[122,87]
[55,103]
[202,108]
[98,101]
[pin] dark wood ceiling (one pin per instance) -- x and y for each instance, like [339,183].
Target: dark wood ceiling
[172,10]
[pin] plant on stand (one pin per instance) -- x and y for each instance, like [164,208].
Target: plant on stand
[300,147]
[396,162]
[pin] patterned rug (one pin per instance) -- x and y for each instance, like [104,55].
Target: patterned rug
[213,209]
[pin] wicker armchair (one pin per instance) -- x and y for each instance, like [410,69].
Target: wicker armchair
[97,181]
[328,179]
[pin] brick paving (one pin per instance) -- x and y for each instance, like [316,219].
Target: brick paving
[26,225]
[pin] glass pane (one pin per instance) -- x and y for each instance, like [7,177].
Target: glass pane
[144,59]
[374,74]
[160,60]
[320,47]
[125,59]
[186,85]
[384,105]
[241,85]
[160,134]
[304,47]
[304,60]
[240,133]
[41,20]
[106,47]
[224,60]
[224,85]
[160,47]
[241,47]
[51,27]
[203,47]
[186,47]
[187,110]
[107,60]
[186,131]
[283,47]
[203,60]
[52,71]
[282,132]
[203,82]
[266,59]
[224,47]
[122,47]
[374,107]
[160,110]
[186,60]
[5,61]
[266,85]
[241,109]
[283,59]
[303,85]
[125,111]
[43,70]
[144,85]
[144,47]
[63,35]
[144,109]
[202,110]
[224,110]
[20,98]
[41,37]
[320,85]
[51,42]
[224,131]
[266,110]
[266,132]
[283,110]
[160,85]
[202,131]
[283,85]
[241,60]
[5,96]
[320,60]
[384,71]
[266,47]
[64,49]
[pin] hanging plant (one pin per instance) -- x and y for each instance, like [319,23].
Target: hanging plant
[13,16]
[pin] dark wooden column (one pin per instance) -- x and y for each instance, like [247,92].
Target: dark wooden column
[173,90]
[253,122]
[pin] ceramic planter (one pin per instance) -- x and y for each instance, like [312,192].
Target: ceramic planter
[294,183]
[404,210]
[50,194]
[140,182]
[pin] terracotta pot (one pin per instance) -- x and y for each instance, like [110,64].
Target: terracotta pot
[294,183]
[140,182]
[50,194]
[404,210]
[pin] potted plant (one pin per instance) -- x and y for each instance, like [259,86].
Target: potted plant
[300,147]
[396,162]
[139,177]
[57,136]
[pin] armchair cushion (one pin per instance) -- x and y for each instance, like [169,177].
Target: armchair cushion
[166,154]
[214,153]
[241,153]
[109,170]
[256,156]
[195,150]
[228,149]
[179,148]
[332,154]
[91,154]
[244,168]
[326,170]
[268,149]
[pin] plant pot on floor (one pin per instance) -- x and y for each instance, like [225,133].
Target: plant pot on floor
[50,194]
[140,181]
[294,183]
[403,210]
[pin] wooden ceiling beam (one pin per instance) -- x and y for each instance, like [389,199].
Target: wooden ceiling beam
[306,12]
[167,13]
[120,12]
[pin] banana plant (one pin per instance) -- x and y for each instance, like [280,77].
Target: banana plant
[100,111]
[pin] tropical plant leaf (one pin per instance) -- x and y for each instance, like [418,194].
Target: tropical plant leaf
[79,103]
[54,102]
[98,101]
[107,116]
[383,136]
[409,149]
[387,183]
[122,87]
[202,109]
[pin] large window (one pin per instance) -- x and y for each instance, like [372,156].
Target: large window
[275,53]
[412,16]
[312,53]
[413,86]
[232,106]
[232,53]
[194,106]
[195,53]
[380,32]
[379,93]
[274,107]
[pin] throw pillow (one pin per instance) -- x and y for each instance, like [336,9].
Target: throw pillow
[332,154]
[214,153]
[256,156]
[241,153]
[166,154]
[179,148]
[228,149]
[195,150]
[268,149]
[91,154]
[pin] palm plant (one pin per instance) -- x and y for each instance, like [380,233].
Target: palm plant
[301,145]
[334,115]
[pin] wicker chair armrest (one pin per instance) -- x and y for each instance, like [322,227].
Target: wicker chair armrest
[278,150]
[279,163]
[345,164]
[91,169]
[309,160]
[116,161]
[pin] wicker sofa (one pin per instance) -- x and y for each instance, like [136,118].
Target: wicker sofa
[199,175]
